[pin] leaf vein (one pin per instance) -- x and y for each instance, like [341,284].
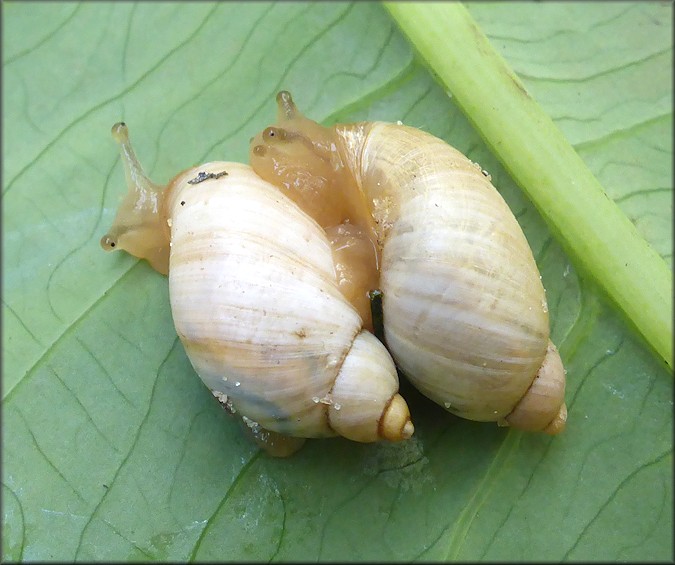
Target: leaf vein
[66,332]
[83,408]
[214,80]
[647,191]
[611,498]
[597,74]
[50,144]
[282,534]
[44,39]
[125,459]
[337,509]
[616,134]
[209,522]
[480,494]
[104,371]
[291,62]
[23,324]
[47,458]
[23,524]
[129,541]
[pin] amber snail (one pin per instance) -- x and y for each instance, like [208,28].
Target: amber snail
[270,268]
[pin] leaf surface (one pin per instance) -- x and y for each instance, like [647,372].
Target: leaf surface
[112,447]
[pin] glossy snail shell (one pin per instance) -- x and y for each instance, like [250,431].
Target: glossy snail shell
[257,308]
[465,314]
[464,308]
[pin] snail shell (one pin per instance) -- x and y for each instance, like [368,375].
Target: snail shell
[256,303]
[465,314]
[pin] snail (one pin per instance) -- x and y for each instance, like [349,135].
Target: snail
[256,304]
[464,309]
[271,267]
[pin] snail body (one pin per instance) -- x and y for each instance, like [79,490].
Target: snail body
[261,318]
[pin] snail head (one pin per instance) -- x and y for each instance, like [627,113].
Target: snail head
[300,156]
[139,227]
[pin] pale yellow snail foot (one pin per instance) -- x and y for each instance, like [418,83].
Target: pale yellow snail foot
[543,408]
[273,443]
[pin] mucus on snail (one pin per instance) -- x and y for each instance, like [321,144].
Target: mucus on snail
[270,268]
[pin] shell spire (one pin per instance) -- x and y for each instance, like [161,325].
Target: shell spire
[542,408]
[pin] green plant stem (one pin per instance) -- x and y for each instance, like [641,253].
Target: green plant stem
[593,230]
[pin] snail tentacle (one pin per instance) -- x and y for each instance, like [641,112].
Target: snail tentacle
[140,226]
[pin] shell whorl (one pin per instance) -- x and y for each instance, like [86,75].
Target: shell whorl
[256,305]
[464,307]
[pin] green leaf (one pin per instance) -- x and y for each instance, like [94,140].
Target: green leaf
[112,447]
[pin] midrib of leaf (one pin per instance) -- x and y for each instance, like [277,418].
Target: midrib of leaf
[589,225]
